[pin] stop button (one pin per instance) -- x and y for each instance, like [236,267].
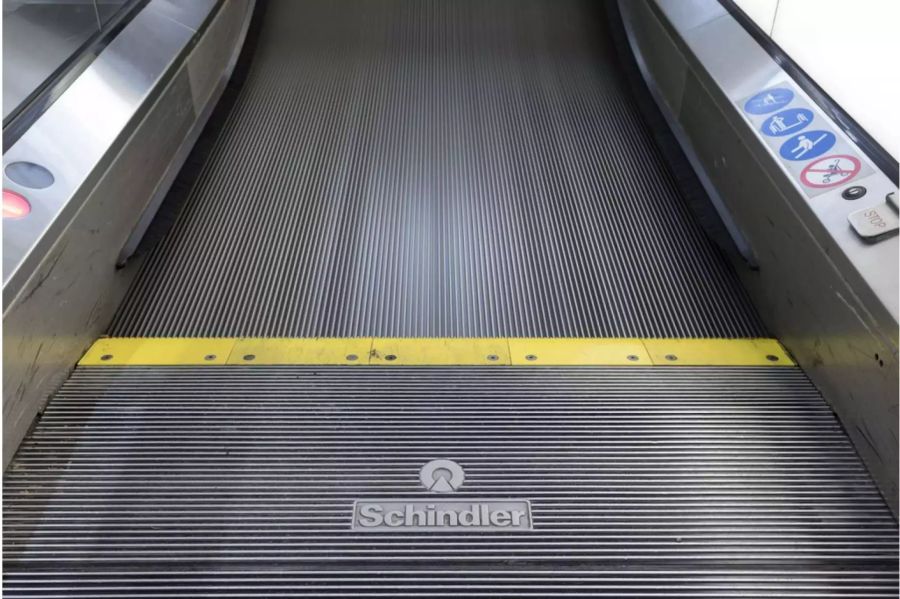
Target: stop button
[15,206]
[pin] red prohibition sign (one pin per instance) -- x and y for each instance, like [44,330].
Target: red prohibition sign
[830,171]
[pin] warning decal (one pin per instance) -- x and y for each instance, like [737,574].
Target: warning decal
[807,146]
[787,121]
[804,141]
[769,100]
[830,171]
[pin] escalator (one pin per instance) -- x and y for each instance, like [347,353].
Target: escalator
[435,171]
[436,319]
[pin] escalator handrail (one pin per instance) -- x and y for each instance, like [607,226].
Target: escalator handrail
[883,159]
[36,103]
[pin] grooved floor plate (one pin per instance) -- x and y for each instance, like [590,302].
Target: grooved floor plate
[241,481]
[423,168]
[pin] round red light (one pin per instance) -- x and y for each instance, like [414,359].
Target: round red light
[15,205]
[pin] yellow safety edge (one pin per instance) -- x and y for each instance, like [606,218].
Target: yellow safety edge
[439,352]
[717,352]
[578,352]
[500,351]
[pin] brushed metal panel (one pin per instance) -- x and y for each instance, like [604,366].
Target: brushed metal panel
[813,309]
[69,300]
[38,38]
[828,297]
[77,138]
[66,287]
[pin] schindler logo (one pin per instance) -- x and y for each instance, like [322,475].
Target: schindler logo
[441,476]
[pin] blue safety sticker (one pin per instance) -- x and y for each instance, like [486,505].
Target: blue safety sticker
[802,139]
[787,121]
[807,145]
[769,100]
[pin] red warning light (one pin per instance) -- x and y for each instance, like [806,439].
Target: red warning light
[15,206]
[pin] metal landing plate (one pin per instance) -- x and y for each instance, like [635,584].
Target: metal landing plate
[226,481]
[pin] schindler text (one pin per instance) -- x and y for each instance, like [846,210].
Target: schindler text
[383,515]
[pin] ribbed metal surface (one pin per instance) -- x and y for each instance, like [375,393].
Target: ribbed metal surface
[508,583]
[151,481]
[429,168]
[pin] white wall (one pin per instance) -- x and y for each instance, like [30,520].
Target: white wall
[850,48]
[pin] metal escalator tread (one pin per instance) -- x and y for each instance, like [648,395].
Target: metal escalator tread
[421,168]
[241,481]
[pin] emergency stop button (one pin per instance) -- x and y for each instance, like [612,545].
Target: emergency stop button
[875,223]
[15,206]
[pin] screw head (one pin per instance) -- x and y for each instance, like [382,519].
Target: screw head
[249,357]
[493,357]
[209,357]
[671,357]
[352,357]
[531,357]
[390,357]
[772,358]
[632,358]
[106,357]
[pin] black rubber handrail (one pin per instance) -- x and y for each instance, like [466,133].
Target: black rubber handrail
[38,101]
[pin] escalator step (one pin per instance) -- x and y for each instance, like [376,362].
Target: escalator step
[440,169]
